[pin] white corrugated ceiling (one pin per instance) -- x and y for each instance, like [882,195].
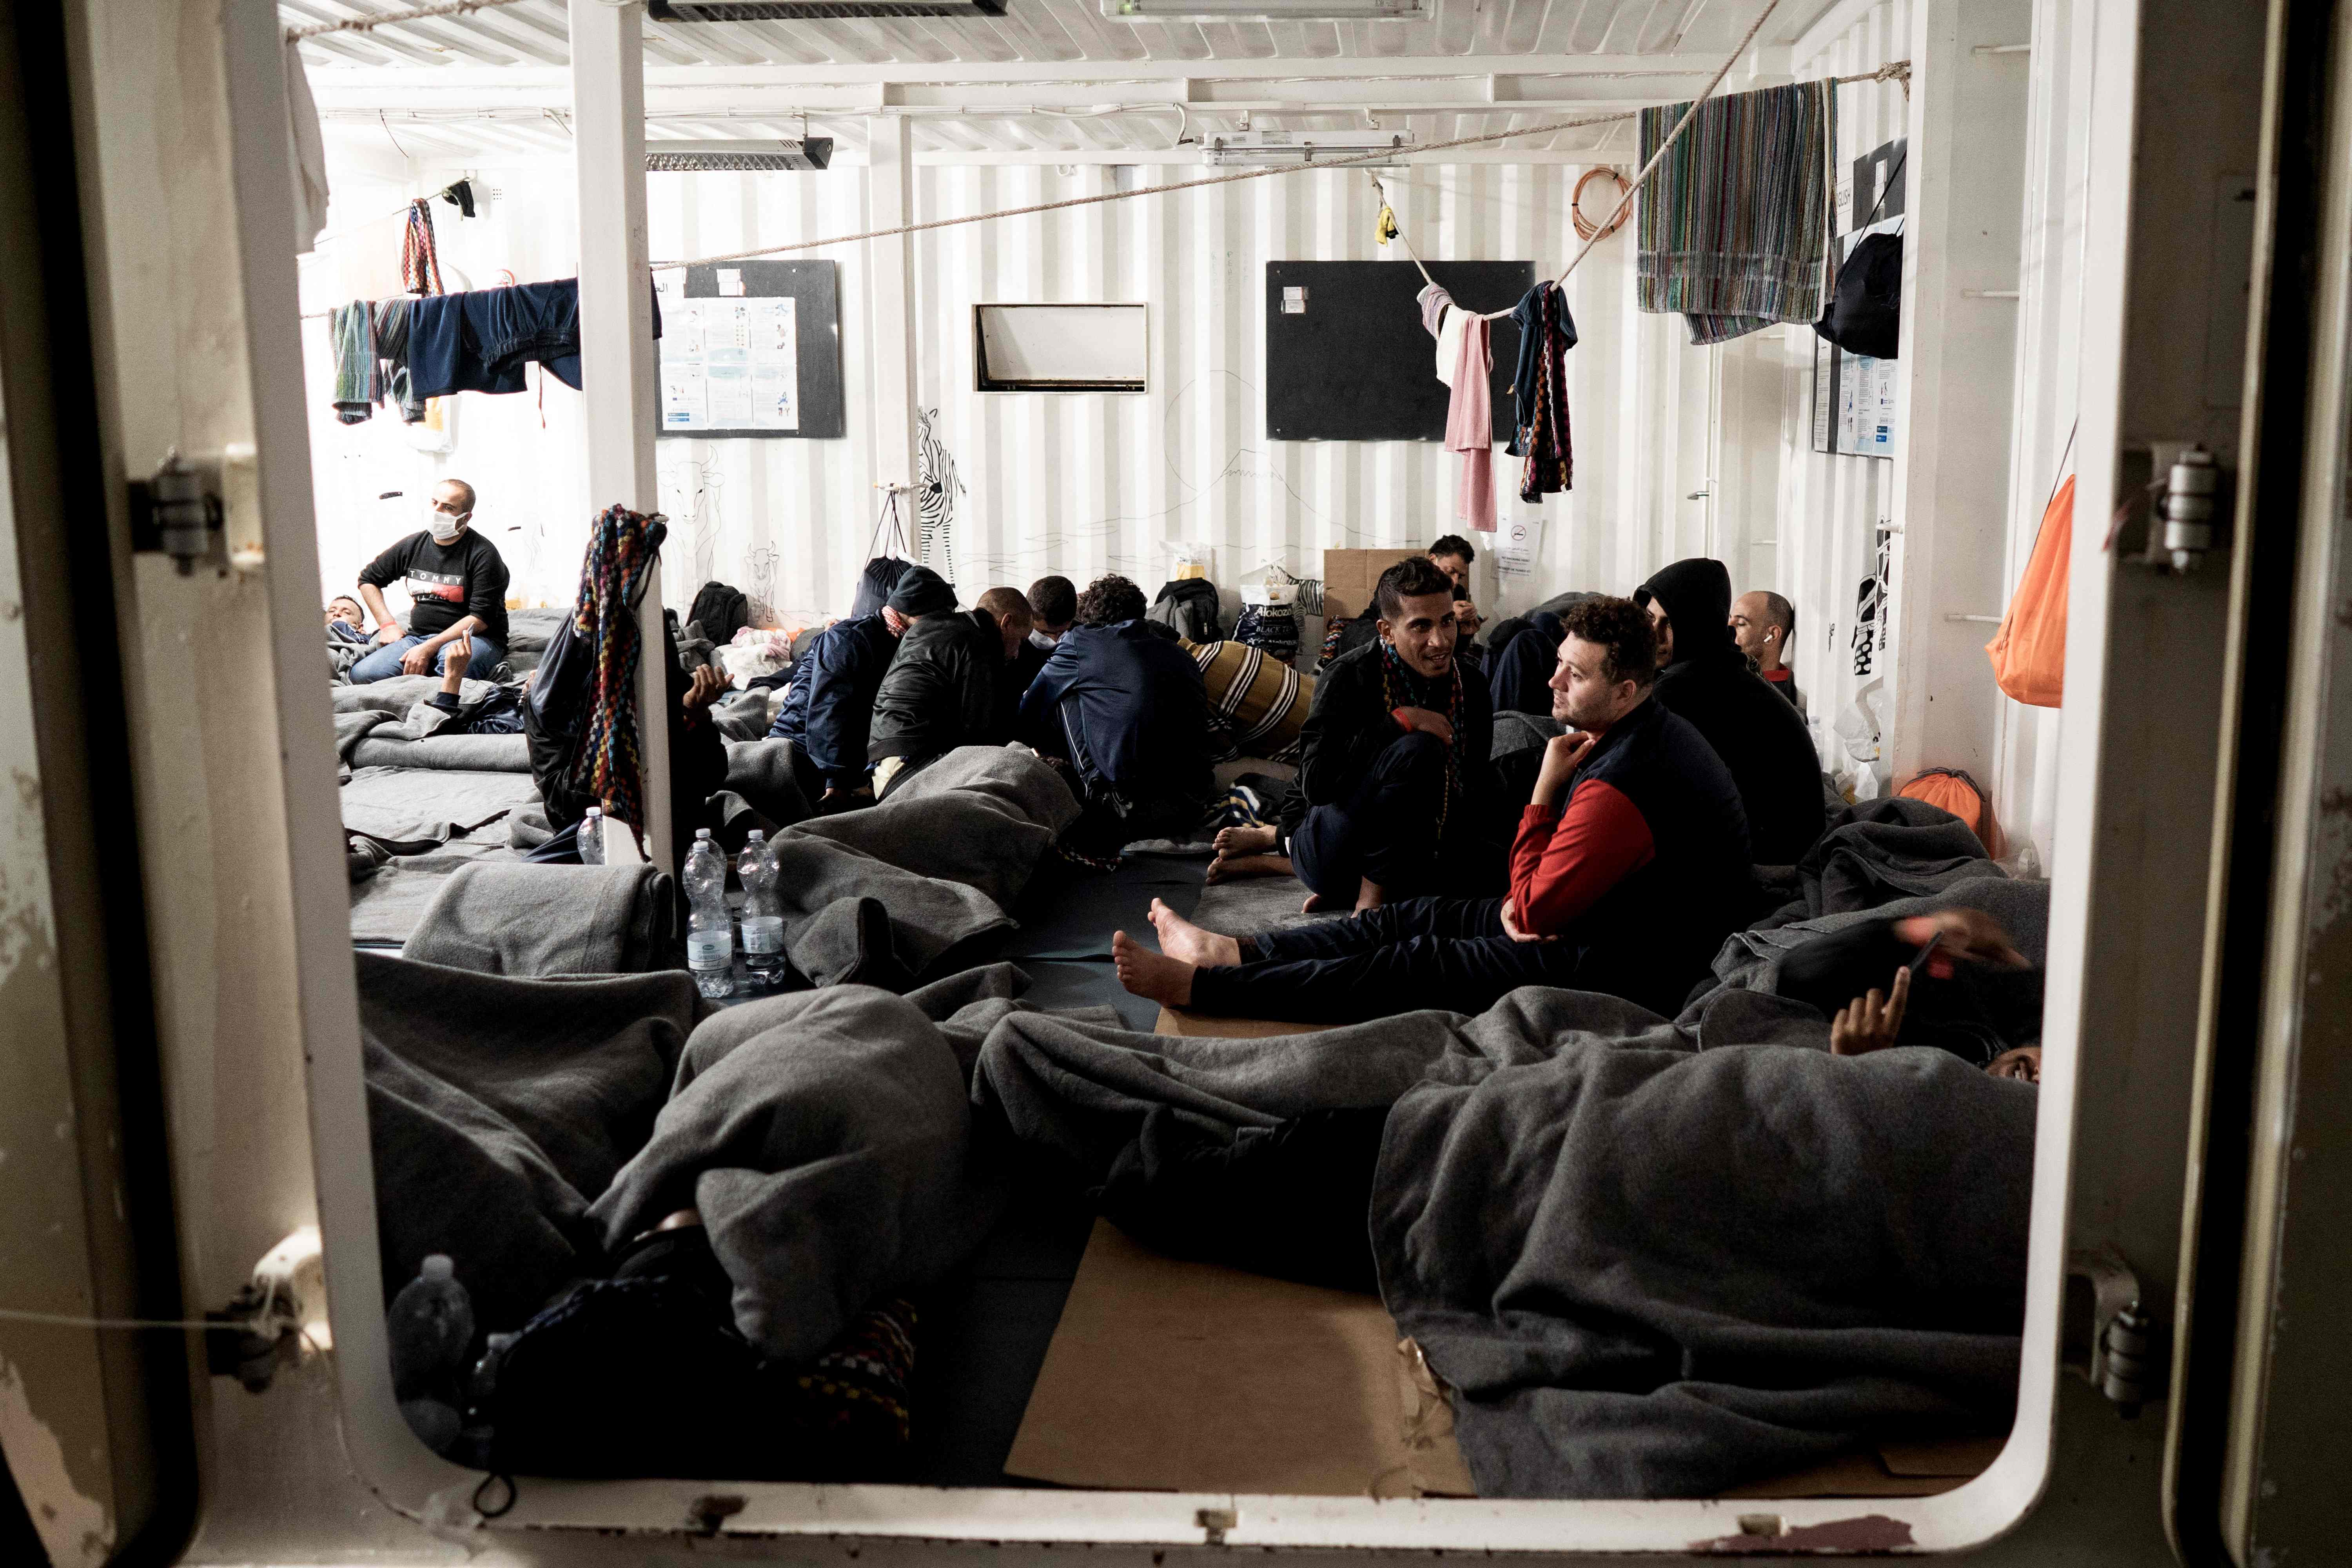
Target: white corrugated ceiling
[1042,31]
[1056,74]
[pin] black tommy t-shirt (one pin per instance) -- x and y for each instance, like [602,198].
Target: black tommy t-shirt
[445,582]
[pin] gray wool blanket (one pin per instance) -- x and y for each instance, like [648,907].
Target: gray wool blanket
[1653,1258]
[825,1139]
[511,917]
[523,1127]
[498,1109]
[946,853]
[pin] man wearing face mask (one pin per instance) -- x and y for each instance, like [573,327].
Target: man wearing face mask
[457,585]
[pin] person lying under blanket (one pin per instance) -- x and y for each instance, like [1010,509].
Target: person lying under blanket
[348,641]
[1629,869]
[1953,980]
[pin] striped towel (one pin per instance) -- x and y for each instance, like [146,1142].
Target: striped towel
[352,328]
[1734,225]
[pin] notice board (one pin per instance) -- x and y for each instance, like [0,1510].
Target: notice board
[1347,358]
[753,349]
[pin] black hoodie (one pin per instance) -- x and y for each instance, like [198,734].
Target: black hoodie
[1760,738]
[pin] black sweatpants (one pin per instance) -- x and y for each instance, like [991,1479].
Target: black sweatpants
[1386,829]
[1421,952]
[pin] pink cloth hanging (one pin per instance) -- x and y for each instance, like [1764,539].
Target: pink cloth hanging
[1470,423]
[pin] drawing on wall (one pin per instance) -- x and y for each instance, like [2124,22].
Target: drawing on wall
[730,365]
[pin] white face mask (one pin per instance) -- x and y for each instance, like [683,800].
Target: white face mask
[442,525]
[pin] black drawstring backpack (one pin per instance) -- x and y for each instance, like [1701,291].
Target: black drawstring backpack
[1865,309]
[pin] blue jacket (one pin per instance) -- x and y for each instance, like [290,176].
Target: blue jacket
[831,701]
[1126,704]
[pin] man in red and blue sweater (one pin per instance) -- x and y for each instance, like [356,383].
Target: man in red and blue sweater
[1629,869]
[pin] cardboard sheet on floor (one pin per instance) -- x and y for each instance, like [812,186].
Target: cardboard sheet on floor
[1173,1377]
[1208,1025]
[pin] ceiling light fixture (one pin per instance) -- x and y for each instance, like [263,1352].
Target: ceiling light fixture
[738,157]
[1284,148]
[1265,10]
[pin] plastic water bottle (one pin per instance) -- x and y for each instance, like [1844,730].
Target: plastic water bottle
[431,1326]
[709,935]
[763,920]
[592,837]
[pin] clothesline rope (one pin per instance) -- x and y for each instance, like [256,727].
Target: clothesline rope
[1895,70]
[392,19]
[1625,203]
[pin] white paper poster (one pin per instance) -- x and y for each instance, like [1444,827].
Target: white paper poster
[1517,546]
[730,365]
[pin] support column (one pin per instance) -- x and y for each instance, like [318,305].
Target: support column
[618,371]
[1960,259]
[890,289]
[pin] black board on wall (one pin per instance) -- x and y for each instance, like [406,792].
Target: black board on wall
[1356,363]
[815,287]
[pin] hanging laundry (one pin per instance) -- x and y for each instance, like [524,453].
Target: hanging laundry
[420,262]
[1541,431]
[1466,359]
[1470,422]
[480,340]
[353,331]
[393,385]
[1734,224]
[307,153]
[1436,311]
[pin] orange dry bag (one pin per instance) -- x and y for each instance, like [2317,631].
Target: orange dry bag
[1956,792]
[2029,652]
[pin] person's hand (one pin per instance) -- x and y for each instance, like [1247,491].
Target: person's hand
[1428,722]
[418,661]
[1966,933]
[1870,1023]
[388,634]
[1563,755]
[454,666]
[707,688]
[1511,925]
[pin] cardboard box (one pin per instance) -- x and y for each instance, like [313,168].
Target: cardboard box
[1166,1375]
[1349,576]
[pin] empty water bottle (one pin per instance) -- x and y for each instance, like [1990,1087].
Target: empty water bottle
[592,837]
[431,1327]
[763,920]
[709,935]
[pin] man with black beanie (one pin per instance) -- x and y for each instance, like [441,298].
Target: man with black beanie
[1703,677]
[939,691]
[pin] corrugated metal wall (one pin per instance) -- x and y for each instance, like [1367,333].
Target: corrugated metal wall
[1832,507]
[1067,482]
[1083,483]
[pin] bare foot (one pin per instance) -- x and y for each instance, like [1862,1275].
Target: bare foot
[1313,906]
[1180,939]
[1154,976]
[1370,895]
[1230,867]
[1245,841]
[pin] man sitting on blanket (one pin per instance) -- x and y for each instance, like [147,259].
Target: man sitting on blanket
[939,691]
[1122,704]
[1395,794]
[828,709]
[1629,869]
[1016,623]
